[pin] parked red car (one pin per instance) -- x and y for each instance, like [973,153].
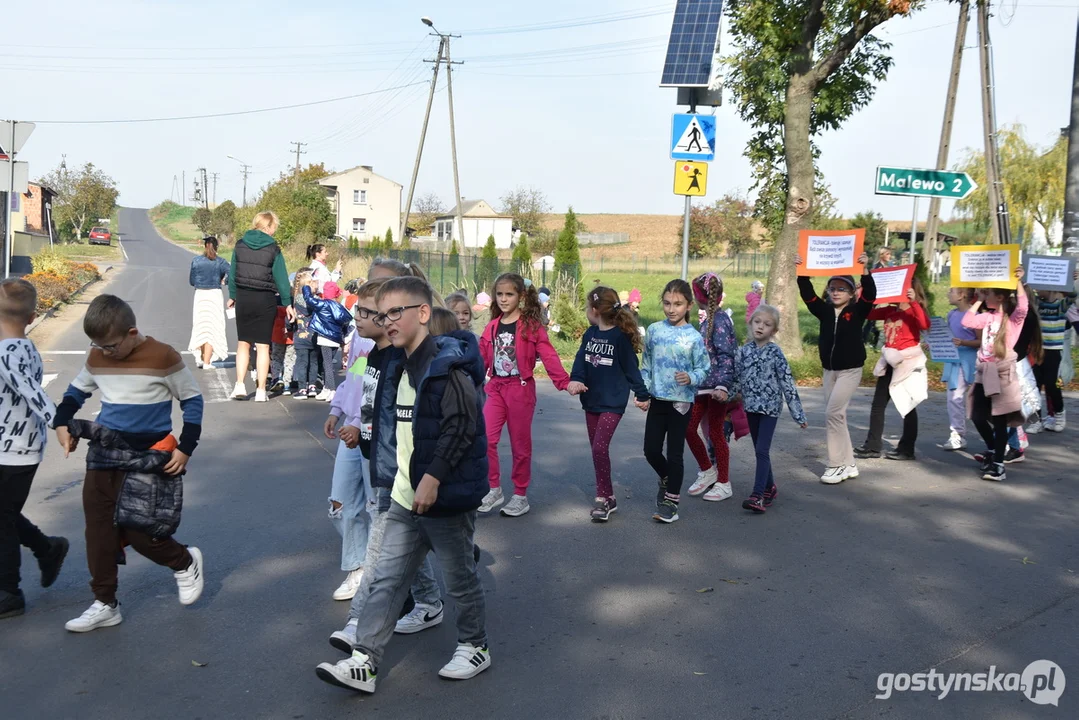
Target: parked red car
[100,236]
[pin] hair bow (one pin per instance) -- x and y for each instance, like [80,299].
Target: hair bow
[528,283]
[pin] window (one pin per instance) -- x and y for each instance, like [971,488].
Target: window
[359,197]
[359,225]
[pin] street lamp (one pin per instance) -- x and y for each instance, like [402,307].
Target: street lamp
[429,23]
[244,168]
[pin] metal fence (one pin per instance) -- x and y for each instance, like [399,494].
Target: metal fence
[597,261]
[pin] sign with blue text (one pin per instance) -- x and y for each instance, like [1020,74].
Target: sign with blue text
[693,137]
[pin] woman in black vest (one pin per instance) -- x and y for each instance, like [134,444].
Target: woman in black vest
[258,283]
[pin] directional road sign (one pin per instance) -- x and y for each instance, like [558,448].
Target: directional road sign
[693,137]
[690,178]
[924,183]
[22,132]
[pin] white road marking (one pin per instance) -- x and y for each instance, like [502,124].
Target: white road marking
[219,385]
[48,379]
[121,244]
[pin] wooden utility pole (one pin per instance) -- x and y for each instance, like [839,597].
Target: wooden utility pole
[998,209]
[1071,185]
[929,249]
[299,152]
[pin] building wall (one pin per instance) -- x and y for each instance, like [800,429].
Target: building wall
[379,204]
[476,231]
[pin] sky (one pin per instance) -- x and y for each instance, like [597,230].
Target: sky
[574,110]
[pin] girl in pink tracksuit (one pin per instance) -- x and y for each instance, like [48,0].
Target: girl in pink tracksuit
[510,344]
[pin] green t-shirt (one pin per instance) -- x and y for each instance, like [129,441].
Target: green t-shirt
[402,493]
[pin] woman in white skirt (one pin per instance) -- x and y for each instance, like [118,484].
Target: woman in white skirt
[208,273]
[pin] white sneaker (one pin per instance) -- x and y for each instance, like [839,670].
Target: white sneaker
[955,441]
[1055,423]
[354,672]
[422,617]
[516,507]
[343,639]
[325,395]
[239,392]
[1035,427]
[190,581]
[719,491]
[260,396]
[705,479]
[468,661]
[97,615]
[330,396]
[850,471]
[833,475]
[348,587]
[491,500]
[199,364]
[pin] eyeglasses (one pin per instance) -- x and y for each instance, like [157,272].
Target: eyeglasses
[364,313]
[114,346]
[394,314]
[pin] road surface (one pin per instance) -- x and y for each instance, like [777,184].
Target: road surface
[793,614]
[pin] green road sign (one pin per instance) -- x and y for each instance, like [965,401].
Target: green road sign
[924,183]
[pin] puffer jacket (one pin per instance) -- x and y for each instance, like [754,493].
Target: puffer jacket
[150,501]
[329,318]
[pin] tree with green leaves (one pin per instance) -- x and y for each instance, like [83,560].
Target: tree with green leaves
[375,247]
[527,205]
[82,196]
[224,220]
[203,219]
[387,239]
[567,252]
[876,230]
[801,67]
[522,256]
[303,211]
[455,254]
[725,226]
[1033,180]
[488,265]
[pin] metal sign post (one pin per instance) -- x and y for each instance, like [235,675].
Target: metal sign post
[9,237]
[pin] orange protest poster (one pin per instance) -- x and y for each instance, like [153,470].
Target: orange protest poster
[892,283]
[830,252]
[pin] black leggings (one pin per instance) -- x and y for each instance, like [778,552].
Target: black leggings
[664,421]
[1046,375]
[992,428]
[881,396]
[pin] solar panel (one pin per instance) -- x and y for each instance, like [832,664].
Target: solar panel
[692,47]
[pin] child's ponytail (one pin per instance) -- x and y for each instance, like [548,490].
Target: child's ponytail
[606,304]
[708,291]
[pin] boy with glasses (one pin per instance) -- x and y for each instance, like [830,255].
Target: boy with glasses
[138,378]
[441,480]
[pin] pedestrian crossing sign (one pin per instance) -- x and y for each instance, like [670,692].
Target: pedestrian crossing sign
[690,178]
[693,137]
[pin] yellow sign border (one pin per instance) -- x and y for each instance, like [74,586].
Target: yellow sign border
[1013,261]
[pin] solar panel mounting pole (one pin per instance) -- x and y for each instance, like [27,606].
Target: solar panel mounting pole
[685,218]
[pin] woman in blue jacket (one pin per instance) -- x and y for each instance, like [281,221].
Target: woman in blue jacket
[208,273]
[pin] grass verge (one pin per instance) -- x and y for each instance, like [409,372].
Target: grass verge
[174,223]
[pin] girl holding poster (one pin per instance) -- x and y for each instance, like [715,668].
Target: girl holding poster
[842,356]
[900,373]
[996,401]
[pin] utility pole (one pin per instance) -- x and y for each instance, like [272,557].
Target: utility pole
[1071,184]
[299,152]
[183,188]
[205,189]
[215,188]
[929,249]
[443,57]
[1001,231]
[245,170]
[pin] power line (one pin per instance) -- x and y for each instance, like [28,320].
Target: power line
[217,115]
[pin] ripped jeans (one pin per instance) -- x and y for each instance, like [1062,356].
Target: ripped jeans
[351,487]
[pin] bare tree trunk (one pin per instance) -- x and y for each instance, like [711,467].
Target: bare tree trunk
[782,280]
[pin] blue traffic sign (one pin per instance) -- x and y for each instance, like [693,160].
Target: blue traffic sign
[693,137]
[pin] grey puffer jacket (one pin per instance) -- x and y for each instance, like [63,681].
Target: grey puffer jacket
[149,501]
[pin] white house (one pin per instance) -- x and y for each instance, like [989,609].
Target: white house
[364,203]
[480,221]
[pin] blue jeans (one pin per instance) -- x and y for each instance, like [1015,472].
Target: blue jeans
[351,487]
[1013,439]
[425,588]
[762,428]
[306,370]
[406,544]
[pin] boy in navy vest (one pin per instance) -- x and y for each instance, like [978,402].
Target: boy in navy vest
[441,480]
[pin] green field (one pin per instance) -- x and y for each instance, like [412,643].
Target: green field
[174,223]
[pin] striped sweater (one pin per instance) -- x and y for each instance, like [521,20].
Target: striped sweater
[137,393]
[1052,315]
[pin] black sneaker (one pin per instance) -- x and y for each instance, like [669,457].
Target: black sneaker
[1011,455]
[754,503]
[898,454]
[277,387]
[50,564]
[661,492]
[864,453]
[770,495]
[603,509]
[995,472]
[666,511]
[11,605]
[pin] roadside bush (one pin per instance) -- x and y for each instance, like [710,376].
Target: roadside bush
[566,310]
[57,279]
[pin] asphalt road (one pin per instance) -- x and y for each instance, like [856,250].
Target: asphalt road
[793,614]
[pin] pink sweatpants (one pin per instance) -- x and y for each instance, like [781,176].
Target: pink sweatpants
[510,401]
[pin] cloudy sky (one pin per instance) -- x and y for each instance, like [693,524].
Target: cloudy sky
[560,95]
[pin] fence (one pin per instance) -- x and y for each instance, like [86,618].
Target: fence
[453,272]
